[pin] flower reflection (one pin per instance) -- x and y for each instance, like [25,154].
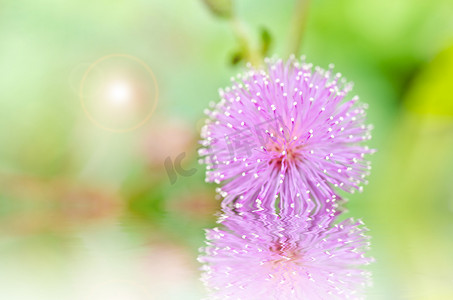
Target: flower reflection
[263,255]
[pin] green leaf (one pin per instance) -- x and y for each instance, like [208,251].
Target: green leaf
[431,92]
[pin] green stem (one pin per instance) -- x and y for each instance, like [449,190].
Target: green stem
[298,24]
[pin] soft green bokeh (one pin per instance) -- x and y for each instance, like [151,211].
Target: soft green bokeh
[87,213]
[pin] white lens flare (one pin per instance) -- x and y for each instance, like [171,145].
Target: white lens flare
[119,93]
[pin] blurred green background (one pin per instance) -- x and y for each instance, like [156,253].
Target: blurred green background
[89,213]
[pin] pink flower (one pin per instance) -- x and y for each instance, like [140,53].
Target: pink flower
[263,256]
[286,132]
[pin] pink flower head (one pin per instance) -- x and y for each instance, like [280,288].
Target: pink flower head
[264,256]
[286,132]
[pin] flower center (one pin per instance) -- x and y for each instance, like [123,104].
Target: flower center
[283,253]
[289,153]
